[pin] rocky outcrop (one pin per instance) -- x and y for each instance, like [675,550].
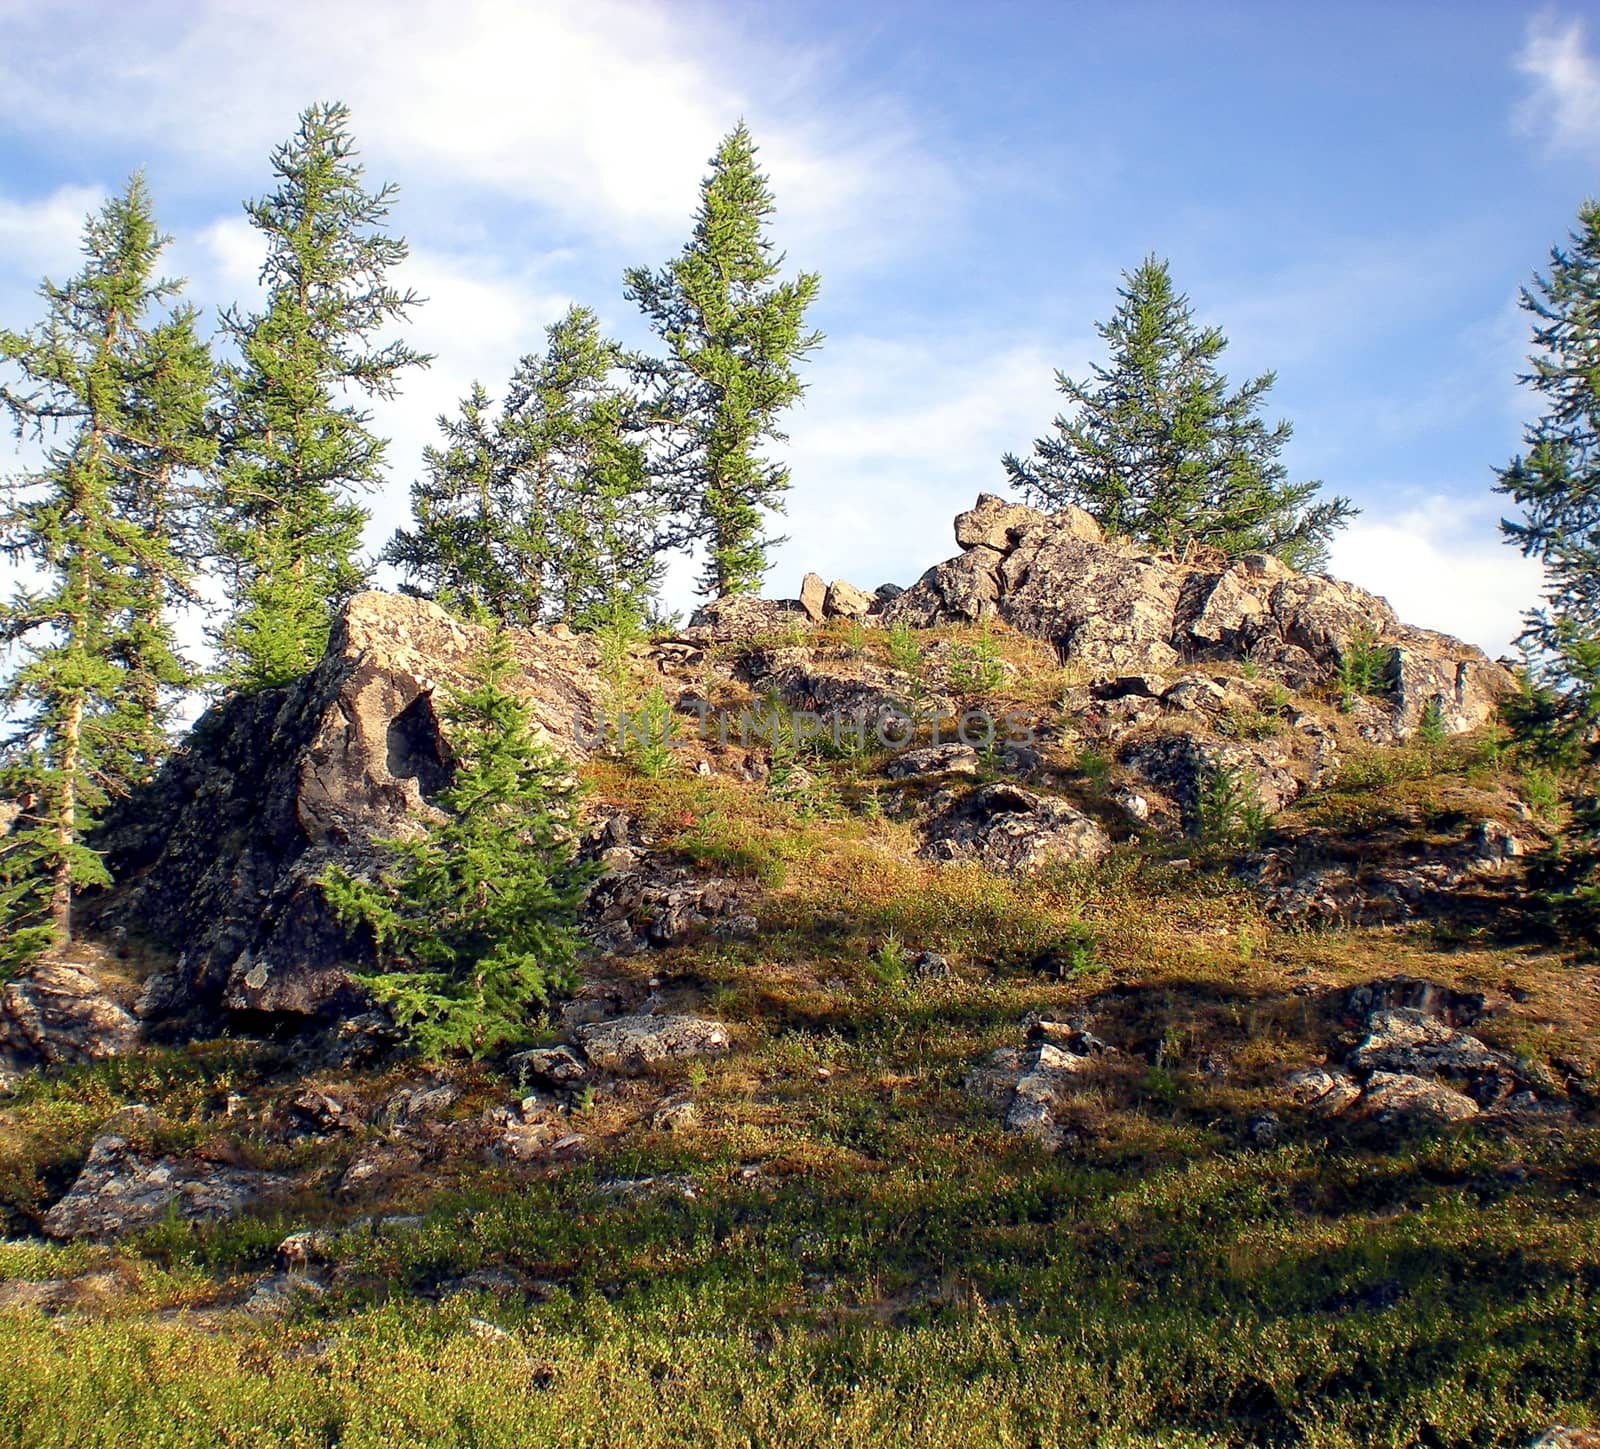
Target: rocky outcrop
[1122,609]
[1010,829]
[219,859]
[122,1188]
[59,1012]
[1030,1086]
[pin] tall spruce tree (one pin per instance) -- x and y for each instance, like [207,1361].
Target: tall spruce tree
[734,334]
[546,513]
[1555,483]
[294,456]
[113,385]
[474,919]
[1158,449]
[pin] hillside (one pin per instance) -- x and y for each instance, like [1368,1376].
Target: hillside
[1182,1065]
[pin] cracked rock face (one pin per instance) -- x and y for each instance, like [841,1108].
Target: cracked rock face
[1010,829]
[220,857]
[633,1044]
[121,1189]
[58,1012]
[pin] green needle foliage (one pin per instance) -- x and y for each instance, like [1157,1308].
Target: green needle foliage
[474,919]
[294,456]
[546,513]
[114,386]
[1555,483]
[1158,449]
[734,335]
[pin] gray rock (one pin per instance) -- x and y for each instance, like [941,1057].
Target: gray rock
[633,1044]
[58,1012]
[1028,1086]
[813,597]
[1406,1040]
[989,523]
[221,856]
[738,618]
[952,759]
[1010,829]
[677,1116]
[1392,1096]
[121,1189]
[961,590]
[846,601]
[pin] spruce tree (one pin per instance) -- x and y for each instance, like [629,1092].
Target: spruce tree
[113,385]
[734,334]
[474,919]
[547,512]
[295,456]
[1555,483]
[1158,450]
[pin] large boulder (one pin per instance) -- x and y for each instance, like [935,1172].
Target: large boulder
[60,1012]
[220,858]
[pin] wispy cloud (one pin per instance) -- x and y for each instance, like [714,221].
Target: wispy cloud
[1563,105]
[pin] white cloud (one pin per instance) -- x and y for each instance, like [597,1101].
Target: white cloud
[1442,565]
[602,115]
[39,236]
[1564,103]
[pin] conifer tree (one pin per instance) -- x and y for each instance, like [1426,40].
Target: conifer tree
[1158,449]
[474,920]
[546,513]
[113,385]
[734,334]
[1555,483]
[295,456]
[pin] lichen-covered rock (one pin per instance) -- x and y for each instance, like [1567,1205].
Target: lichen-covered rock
[220,857]
[813,597]
[59,1012]
[1010,829]
[961,590]
[845,601]
[736,618]
[1407,1040]
[990,522]
[1028,1086]
[121,1189]
[1179,764]
[1392,1096]
[951,759]
[633,1044]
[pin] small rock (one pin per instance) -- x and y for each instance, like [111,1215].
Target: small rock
[952,759]
[1263,1130]
[632,1044]
[676,1117]
[1323,1092]
[558,1067]
[846,601]
[378,1163]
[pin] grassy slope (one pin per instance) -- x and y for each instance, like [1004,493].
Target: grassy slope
[867,1258]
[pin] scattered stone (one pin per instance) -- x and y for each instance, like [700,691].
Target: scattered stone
[633,1044]
[813,597]
[665,1185]
[1029,1085]
[951,759]
[316,1113]
[486,1332]
[1013,830]
[278,1294]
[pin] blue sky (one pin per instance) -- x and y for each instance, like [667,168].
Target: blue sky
[1354,193]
